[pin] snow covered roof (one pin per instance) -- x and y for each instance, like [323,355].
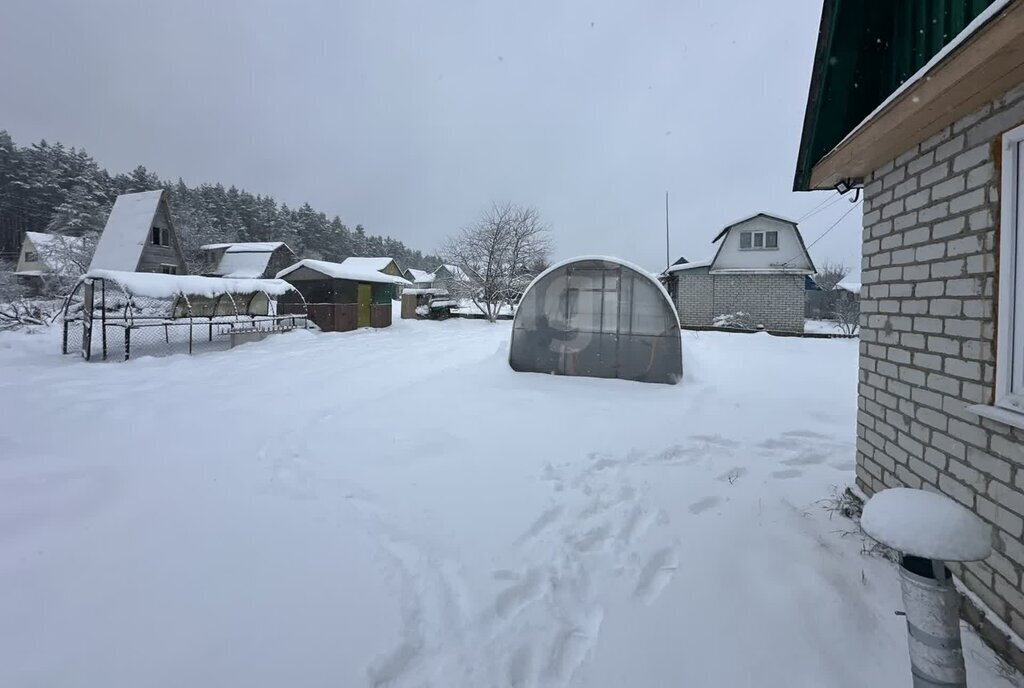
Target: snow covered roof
[243,264]
[157,285]
[367,263]
[421,276]
[244,246]
[679,267]
[455,271]
[729,226]
[51,249]
[245,259]
[343,271]
[926,524]
[127,229]
[431,292]
[852,287]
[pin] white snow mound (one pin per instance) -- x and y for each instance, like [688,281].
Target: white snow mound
[927,525]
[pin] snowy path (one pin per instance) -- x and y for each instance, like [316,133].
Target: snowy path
[398,508]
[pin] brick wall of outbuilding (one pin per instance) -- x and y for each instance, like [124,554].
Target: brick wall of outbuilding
[773,300]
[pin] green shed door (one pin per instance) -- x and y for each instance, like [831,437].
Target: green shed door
[365,298]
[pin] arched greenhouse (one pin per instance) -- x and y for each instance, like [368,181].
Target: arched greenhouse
[597,317]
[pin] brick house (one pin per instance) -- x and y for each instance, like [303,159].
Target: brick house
[922,104]
[759,269]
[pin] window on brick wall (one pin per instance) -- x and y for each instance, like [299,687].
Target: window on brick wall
[1010,342]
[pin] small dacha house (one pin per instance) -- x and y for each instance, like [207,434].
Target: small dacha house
[140,237]
[342,296]
[759,269]
[246,260]
[922,105]
[43,255]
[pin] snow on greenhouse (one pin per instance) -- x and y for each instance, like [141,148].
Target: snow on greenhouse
[597,317]
[113,314]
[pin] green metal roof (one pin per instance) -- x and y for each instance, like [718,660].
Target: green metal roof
[866,49]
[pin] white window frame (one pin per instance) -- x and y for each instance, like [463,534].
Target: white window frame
[168,269]
[1009,392]
[763,233]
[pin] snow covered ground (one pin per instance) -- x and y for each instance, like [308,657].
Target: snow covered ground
[398,508]
[823,327]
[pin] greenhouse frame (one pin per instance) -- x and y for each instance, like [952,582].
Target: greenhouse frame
[600,317]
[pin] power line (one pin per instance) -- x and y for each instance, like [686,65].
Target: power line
[823,234]
[827,203]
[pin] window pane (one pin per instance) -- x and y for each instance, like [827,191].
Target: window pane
[758,240]
[625,304]
[610,314]
[584,310]
[744,239]
[771,239]
[156,236]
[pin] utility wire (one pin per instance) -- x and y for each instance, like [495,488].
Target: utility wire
[827,203]
[822,235]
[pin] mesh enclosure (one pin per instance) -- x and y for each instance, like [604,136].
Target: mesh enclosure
[103,321]
[597,318]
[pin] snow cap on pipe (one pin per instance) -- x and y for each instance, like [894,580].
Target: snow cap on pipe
[926,524]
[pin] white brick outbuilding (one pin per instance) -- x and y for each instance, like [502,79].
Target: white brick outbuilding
[758,269]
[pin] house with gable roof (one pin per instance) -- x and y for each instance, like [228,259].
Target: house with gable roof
[140,237]
[759,269]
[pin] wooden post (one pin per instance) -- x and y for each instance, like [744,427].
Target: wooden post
[103,317]
[88,297]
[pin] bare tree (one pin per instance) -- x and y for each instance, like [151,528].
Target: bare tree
[69,256]
[846,310]
[830,274]
[821,303]
[496,256]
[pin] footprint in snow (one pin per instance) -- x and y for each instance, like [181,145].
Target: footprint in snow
[787,473]
[636,524]
[572,646]
[807,457]
[703,505]
[514,600]
[656,574]
[716,440]
[520,667]
[807,434]
[541,523]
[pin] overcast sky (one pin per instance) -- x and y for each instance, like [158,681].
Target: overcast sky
[410,117]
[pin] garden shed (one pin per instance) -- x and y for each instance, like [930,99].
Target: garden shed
[340,296]
[597,317]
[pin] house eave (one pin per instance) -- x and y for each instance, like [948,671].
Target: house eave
[986,64]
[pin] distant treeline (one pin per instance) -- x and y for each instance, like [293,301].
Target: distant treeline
[49,188]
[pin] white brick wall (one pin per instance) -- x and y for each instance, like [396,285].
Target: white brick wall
[927,341]
[776,301]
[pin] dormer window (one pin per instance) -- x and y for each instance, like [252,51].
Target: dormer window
[759,240]
[158,236]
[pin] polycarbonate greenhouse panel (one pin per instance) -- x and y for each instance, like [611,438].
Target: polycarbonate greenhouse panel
[597,317]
